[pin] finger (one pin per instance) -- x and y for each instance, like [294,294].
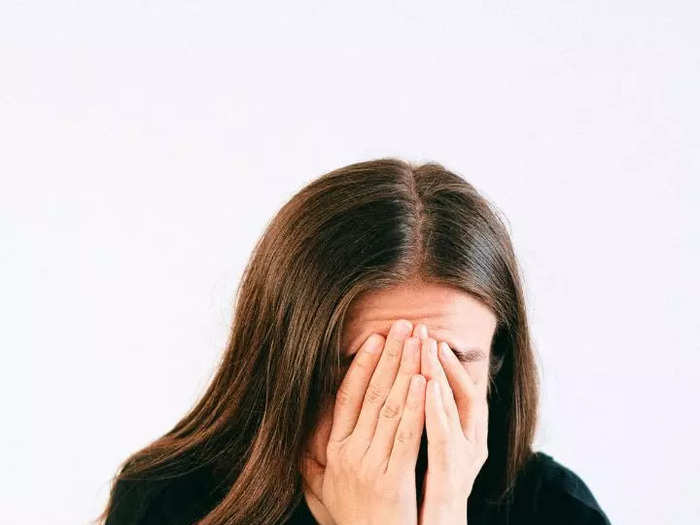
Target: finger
[463,389]
[390,414]
[351,392]
[434,370]
[380,384]
[436,425]
[420,331]
[406,444]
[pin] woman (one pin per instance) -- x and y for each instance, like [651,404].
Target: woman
[379,370]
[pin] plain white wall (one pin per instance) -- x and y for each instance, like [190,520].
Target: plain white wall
[145,145]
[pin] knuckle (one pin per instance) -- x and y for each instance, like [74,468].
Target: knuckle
[363,361]
[375,394]
[405,436]
[343,396]
[413,405]
[394,349]
[390,410]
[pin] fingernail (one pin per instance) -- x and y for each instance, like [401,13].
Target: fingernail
[402,328]
[374,344]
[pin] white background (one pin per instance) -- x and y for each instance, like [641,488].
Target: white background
[145,145]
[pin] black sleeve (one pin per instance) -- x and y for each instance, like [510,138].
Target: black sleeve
[567,509]
[566,499]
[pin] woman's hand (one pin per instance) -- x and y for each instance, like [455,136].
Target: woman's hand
[371,454]
[456,420]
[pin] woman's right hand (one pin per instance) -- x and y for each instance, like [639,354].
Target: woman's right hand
[375,437]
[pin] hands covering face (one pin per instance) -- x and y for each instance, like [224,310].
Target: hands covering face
[394,390]
[456,419]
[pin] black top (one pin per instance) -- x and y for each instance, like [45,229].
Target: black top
[546,493]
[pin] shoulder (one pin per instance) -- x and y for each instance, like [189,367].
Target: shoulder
[132,500]
[146,501]
[551,492]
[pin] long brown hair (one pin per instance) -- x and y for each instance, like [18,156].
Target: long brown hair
[364,226]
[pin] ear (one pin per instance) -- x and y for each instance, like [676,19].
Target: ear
[311,474]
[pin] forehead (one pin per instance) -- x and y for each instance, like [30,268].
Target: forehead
[450,314]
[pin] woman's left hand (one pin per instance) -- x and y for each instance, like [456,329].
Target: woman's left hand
[456,420]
